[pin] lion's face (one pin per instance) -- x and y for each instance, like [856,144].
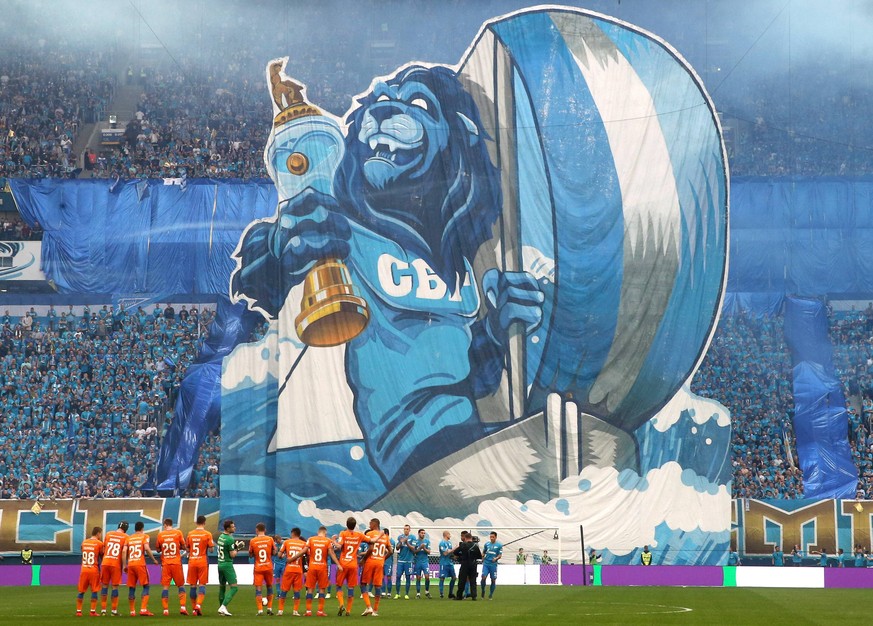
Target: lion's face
[402,131]
[416,168]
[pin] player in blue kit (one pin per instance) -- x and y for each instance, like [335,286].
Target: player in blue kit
[822,557]
[388,571]
[733,557]
[778,557]
[421,566]
[278,562]
[796,556]
[404,560]
[447,566]
[860,557]
[491,555]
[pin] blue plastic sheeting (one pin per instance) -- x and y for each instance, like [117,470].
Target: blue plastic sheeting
[141,236]
[198,407]
[788,235]
[810,236]
[806,332]
[758,305]
[821,423]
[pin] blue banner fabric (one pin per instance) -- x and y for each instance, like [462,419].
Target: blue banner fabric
[821,423]
[111,237]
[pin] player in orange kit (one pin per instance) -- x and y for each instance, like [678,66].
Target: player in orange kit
[374,565]
[349,542]
[262,549]
[199,543]
[170,544]
[114,547]
[135,566]
[318,549]
[293,576]
[90,576]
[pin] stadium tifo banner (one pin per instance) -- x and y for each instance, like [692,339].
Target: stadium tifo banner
[488,287]
[60,526]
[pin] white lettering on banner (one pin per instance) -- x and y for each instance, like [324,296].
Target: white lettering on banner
[398,281]
[396,285]
[430,286]
[456,296]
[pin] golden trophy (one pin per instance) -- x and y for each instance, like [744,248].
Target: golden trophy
[304,151]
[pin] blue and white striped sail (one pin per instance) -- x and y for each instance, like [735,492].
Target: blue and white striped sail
[614,175]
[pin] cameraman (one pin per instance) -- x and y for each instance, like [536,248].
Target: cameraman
[467,553]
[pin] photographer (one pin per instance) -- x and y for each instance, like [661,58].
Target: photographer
[467,553]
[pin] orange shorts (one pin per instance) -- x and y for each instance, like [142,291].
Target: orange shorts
[172,572]
[198,574]
[348,575]
[264,578]
[317,578]
[110,575]
[292,580]
[373,573]
[137,575]
[89,580]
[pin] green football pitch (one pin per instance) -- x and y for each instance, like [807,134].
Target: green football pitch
[545,605]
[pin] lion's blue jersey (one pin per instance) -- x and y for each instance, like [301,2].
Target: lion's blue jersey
[404,554]
[860,559]
[492,551]
[445,546]
[778,558]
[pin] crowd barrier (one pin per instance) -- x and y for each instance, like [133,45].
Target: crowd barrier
[574,575]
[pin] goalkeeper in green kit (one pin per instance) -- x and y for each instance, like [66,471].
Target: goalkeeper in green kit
[226,548]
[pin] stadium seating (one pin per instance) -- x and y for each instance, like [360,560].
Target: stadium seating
[748,369]
[87,395]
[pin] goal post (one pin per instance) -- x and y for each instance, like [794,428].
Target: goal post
[540,561]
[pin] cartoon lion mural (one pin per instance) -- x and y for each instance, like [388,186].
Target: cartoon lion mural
[415,197]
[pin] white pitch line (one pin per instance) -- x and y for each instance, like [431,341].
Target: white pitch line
[674,608]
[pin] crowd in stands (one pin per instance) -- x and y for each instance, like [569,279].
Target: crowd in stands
[13,228]
[87,395]
[49,88]
[206,108]
[748,369]
[852,336]
[214,123]
[175,127]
